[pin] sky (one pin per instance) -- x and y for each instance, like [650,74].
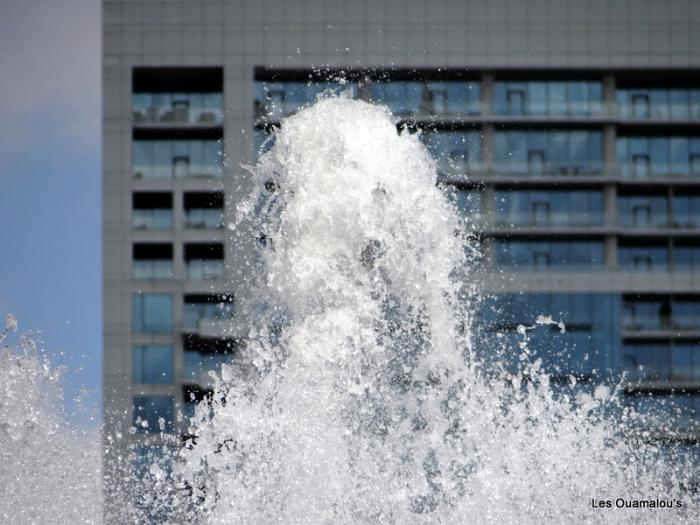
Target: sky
[50,210]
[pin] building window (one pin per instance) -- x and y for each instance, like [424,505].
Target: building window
[647,361]
[548,98]
[643,210]
[152,261]
[159,159]
[544,255]
[685,361]
[152,210]
[588,346]
[204,210]
[468,203]
[646,313]
[658,103]
[203,312]
[276,100]
[457,153]
[686,256]
[633,256]
[548,152]
[178,108]
[454,98]
[641,156]
[204,261]
[152,312]
[153,364]
[153,414]
[404,99]
[677,313]
[686,313]
[550,208]
[203,355]
[662,361]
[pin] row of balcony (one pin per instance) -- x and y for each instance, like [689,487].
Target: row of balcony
[541,99]
[557,100]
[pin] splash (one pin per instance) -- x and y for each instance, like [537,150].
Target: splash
[359,398]
[49,471]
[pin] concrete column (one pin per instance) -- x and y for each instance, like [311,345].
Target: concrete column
[486,93]
[609,95]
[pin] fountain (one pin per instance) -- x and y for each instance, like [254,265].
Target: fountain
[360,396]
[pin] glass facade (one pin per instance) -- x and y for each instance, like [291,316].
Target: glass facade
[658,156]
[574,98]
[549,207]
[686,256]
[452,98]
[563,152]
[468,204]
[681,411]
[686,210]
[643,211]
[662,361]
[153,364]
[456,152]
[152,312]
[677,313]
[161,159]
[658,103]
[153,414]
[641,257]
[275,100]
[588,346]
[546,255]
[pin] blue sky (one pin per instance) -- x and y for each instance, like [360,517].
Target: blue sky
[50,225]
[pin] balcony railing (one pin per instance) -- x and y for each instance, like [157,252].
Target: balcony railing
[178,108]
[153,269]
[153,219]
[205,269]
[204,218]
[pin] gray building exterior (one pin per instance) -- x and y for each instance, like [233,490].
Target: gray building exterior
[181,78]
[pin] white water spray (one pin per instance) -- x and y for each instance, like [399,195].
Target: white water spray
[358,398]
[49,471]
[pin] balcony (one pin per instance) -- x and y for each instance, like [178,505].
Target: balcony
[204,355]
[208,315]
[205,269]
[177,158]
[177,109]
[204,261]
[152,261]
[204,210]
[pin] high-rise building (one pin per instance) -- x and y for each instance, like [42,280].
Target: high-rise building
[570,130]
